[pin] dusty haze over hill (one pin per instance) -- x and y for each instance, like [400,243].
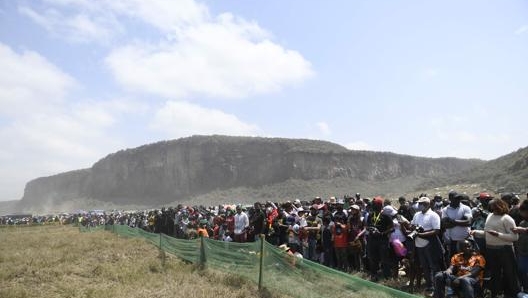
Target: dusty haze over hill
[216,167]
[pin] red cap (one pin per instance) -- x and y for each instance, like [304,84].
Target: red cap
[378,201]
[484,195]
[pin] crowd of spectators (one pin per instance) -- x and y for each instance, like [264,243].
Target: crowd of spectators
[457,241]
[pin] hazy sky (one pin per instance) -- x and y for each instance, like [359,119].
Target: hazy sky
[80,79]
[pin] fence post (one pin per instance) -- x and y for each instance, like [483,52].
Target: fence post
[161,252]
[261,261]
[202,253]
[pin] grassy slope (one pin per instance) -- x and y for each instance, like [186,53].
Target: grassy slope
[56,261]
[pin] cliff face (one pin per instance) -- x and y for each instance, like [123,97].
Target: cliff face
[176,170]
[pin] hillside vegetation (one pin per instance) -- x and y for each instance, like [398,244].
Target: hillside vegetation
[506,173]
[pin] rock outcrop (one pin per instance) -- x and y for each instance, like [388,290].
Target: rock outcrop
[175,170]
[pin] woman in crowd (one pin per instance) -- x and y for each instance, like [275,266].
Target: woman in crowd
[500,256]
[355,238]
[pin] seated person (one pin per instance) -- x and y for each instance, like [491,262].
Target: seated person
[465,273]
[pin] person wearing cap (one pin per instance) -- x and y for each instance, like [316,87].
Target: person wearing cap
[428,247]
[397,238]
[331,204]
[302,213]
[355,237]
[379,226]
[499,234]
[297,204]
[456,219]
[339,211]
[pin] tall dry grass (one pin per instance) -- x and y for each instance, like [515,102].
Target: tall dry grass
[57,261]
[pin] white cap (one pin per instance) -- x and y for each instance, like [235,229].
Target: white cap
[424,200]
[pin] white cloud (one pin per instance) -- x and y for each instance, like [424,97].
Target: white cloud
[28,80]
[165,15]
[178,119]
[225,58]
[81,27]
[359,145]
[323,127]
[187,52]
[43,132]
[521,30]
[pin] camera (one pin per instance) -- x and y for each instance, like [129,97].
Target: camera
[373,230]
[417,229]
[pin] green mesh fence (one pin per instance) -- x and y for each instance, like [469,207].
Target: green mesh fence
[276,270]
[87,229]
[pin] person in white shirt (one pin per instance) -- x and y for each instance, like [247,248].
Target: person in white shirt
[500,256]
[456,219]
[428,246]
[241,225]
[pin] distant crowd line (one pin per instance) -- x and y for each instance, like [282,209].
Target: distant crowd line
[458,241]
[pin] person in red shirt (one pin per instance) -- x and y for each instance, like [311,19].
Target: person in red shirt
[340,235]
[230,220]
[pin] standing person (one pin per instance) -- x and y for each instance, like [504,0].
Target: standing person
[405,208]
[522,245]
[355,237]
[428,247]
[327,243]
[379,227]
[241,225]
[230,221]
[397,238]
[499,235]
[340,235]
[456,219]
[258,221]
[313,226]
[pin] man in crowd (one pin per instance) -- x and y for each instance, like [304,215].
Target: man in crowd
[405,208]
[379,227]
[312,229]
[456,219]
[428,246]
[465,273]
[257,223]
[241,225]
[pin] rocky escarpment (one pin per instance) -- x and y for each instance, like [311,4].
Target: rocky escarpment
[175,170]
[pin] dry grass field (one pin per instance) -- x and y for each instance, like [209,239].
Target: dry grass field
[57,261]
